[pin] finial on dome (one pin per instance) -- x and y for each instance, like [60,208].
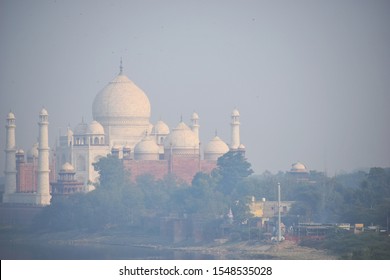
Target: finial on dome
[181,118]
[216,132]
[121,68]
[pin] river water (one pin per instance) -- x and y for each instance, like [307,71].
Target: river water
[31,251]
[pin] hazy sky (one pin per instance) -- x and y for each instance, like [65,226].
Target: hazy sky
[310,78]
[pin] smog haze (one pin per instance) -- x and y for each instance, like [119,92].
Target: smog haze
[310,78]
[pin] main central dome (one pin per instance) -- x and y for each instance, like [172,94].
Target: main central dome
[121,98]
[123,109]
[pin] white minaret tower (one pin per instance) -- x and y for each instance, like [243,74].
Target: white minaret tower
[10,159]
[195,124]
[235,141]
[43,188]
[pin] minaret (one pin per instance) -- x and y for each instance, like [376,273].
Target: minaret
[10,159]
[43,188]
[235,124]
[195,124]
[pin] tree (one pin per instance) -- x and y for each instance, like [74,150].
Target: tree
[207,201]
[231,174]
[156,194]
[112,175]
[232,169]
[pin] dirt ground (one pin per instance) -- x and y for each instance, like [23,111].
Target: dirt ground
[286,250]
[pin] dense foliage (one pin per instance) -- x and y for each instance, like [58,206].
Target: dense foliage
[118,201]
[359,197]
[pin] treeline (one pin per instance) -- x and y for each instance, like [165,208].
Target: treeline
[359,197]
[117,201]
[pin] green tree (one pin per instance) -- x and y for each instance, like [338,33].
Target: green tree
[112,175]
[232,169]
[204,197]
[231,174]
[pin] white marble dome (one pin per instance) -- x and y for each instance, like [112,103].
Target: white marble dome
[181,137]
[33,152]
[215,148]
[182,140]
[160,128]
[95,128]
[235,113]
[67,167]
[123,110]
[116,148]
[146,146]
[195,116]
[121,99]
[10,116]
[81,129]
[43,112]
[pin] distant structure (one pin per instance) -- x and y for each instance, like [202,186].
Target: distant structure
[10,159]
[16,191]
[121,127]
[298,168]
[266,212]
[299,172]
[66,183]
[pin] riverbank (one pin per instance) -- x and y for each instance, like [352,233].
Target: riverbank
[286,250]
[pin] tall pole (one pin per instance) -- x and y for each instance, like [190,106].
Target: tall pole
[279,218]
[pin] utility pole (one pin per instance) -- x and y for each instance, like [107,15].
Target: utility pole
[279,218]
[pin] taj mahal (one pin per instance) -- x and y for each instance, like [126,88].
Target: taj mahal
[121,127]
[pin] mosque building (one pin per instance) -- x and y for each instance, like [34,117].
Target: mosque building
[121,127]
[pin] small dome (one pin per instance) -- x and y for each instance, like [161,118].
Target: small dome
[81,128]
[10,116]
[160,128]
[216,146]
[181,137]
[298,167]
[195,116]
[127,147]
[146,146]
[33,152]
[95,128]
[241,147]
[20,152]
[67,167]
[116,147]
[43,112]
[235,113]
